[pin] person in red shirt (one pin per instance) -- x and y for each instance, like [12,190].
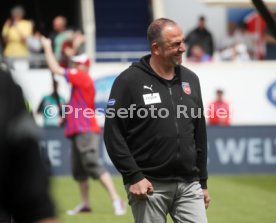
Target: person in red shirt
[82,129]
[219,111]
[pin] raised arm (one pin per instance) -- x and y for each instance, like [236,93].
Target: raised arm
[50,57]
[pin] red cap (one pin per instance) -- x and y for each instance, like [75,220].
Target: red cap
[82,59]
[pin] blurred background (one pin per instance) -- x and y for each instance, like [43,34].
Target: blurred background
[235,59]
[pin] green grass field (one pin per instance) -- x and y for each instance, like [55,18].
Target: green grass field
[235,199]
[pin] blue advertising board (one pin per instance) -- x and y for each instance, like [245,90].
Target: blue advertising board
[242,149]
[231,150]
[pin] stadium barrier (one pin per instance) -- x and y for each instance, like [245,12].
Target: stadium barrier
[232,150]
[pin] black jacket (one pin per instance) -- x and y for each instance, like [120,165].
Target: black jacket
[168,149]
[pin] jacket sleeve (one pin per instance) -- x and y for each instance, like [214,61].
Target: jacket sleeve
[201,142]
[115,132]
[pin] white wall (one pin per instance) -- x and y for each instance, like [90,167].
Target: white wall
[245,86]
[186,13]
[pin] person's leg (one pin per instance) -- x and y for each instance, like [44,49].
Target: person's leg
[79,175]
[155,207]
[84,192]
[108,184]
[119,205]
[188,205]
[88,145]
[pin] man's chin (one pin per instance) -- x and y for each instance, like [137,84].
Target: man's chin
[178,62]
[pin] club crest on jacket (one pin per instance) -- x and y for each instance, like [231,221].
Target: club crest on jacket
[186,88]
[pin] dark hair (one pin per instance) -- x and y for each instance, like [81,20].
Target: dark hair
[154,32]
[201,18]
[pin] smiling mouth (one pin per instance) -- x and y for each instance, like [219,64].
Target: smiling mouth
[178,59]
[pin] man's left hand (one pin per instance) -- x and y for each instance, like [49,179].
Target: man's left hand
[207,198]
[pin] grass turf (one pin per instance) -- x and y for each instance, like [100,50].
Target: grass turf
[239,199]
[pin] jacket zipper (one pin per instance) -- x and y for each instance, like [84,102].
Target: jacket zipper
[176,125]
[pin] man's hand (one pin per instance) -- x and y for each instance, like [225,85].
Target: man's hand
[207,198]
[45,42]
[141,189]
[50,57]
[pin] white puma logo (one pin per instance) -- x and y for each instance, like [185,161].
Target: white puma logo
[150,88]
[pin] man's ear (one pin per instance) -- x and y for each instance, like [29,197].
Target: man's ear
[155,48]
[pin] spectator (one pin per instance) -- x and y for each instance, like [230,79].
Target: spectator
[82,129]
[200,35]
[49,102]
[15,32]
[33,41]
[230,39]
[256,26]
[248,39]
[219,111]
[59,35]
[236,53]
[198,54]
[23,180]
[238,45]
[35,49]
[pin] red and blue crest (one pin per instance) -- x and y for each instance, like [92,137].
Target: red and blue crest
[186,88]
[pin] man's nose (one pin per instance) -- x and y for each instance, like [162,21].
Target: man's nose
[182,47]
